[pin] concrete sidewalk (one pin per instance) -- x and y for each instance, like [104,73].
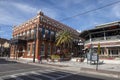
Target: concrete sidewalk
[110,70]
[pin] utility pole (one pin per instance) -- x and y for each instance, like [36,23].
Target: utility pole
[0,43]
[35,35]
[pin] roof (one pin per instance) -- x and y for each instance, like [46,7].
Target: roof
[107,26]
[2,40]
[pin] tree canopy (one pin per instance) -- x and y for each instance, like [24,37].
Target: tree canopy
[64,37]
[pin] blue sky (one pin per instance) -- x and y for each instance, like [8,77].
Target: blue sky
[15,12]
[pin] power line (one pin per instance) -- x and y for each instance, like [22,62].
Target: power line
[91,10]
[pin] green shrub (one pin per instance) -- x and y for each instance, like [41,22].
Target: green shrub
[54,56]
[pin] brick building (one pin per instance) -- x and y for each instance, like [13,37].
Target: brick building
[37,35]
[108,35]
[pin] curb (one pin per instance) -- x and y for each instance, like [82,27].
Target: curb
[101,72]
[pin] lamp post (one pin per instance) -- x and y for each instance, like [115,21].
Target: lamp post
[1,41]
[35,33]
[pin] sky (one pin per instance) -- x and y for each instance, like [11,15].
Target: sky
[15,12]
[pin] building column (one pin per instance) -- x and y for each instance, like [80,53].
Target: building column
[45,50]
[37,51]
[104,36]
[37,48]
[90,38]
[51,49]
[106,50]
[119,52]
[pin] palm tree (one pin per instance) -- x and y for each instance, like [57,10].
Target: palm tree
[64,39]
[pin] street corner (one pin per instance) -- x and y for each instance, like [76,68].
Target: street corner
[107,73]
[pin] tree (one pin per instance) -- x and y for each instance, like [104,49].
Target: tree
[64,39]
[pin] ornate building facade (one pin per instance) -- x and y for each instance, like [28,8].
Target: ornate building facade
[37,37]
[108,35]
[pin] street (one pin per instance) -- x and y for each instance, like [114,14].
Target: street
[11,70]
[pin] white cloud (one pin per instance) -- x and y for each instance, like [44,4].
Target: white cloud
[50,12]
[116,10]
[25,7]
[15,13]
[12,13]
[79,31]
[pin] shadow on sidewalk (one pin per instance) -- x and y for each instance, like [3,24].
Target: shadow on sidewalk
[5,61]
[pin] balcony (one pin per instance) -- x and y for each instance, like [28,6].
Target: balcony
[107,38]
[18,40]
[98,39]
[30,37]
[117,37]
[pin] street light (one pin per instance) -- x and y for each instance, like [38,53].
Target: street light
[35,31]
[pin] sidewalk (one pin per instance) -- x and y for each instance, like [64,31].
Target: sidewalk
[110,70]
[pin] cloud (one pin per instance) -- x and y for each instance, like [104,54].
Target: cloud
[13,13]
[25,8]
[79,31]
[49,12]
[116,10]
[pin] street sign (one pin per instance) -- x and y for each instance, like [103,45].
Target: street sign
[94,57]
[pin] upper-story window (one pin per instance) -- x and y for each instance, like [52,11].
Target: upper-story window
[52,33]
[47,34]
[41,18]
[46,31]
[49,23]
[20,34]
[23,33]
[43,32]
[52,36]
[44,20]
[32,31]
[40,31]
[28,32]
[55,25]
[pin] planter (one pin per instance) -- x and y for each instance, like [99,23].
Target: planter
[80,60]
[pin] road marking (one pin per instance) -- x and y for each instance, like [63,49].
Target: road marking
[49,73]
[18,70]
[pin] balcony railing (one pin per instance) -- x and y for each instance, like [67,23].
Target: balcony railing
[113,37]
[20,37]
[30,37]
[117,37]
[98,39]
[18,40]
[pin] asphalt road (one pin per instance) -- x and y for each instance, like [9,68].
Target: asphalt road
[10,70]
